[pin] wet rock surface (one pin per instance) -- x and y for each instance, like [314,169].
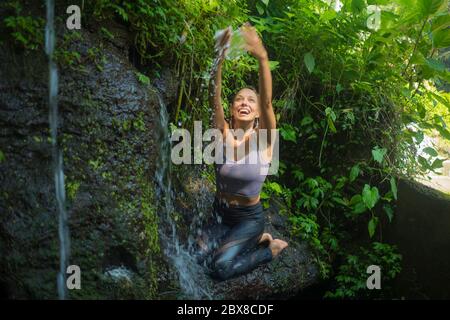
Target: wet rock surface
[106,130]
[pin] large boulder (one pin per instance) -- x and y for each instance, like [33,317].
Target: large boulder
[107,121]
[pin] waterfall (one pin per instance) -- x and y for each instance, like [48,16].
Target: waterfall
[191,275]
[57,157]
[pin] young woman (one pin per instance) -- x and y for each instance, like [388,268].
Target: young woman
[241,234]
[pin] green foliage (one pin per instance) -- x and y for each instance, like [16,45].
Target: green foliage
[66,57]
[370,196]
[350,282]
[310,62]
[27,31]
[288,132]
[97,56]
[72,189]
[354,172]
[345,97]
[272,189]
[143,78]
[378,154]
[108,35]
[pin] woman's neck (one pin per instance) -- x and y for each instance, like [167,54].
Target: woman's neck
[246,126]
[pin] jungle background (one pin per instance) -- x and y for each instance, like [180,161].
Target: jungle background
[358,87]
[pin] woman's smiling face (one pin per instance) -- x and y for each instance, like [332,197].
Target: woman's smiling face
[245,105]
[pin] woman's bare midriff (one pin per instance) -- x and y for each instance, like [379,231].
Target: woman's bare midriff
[236,200]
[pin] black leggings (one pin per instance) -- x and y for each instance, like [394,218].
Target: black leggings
[233,241]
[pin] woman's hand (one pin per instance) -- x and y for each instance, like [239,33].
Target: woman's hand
[253,43]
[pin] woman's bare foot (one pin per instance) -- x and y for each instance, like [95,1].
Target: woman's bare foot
[265,237]
[277,246]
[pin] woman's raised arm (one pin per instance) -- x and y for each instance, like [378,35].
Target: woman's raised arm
[256,48]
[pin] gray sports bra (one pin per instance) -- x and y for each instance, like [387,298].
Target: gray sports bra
[244,177]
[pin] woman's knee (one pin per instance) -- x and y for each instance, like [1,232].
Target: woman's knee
[222,268]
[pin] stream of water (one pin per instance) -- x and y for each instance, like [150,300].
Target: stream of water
[57,156]
[191,275]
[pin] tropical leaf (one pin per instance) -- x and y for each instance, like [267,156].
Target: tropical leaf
[354,172]
[372,226]
[437,163]
[441,99]
[430,7]
[370,196]
[444,132]
[275,187]
[306,120]
[430,151]
[389,212]
[358,6]
[310,62]
[435,64]
[260,8]
[378,154]
[423,162]
[440,23]
[331,117]
[441,38]
[410,12]
[328,15]
[357,204]
[273,65]
[288,133]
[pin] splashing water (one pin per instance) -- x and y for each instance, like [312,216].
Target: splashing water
[63,229]
[237,46]
[192,276]
[234,48]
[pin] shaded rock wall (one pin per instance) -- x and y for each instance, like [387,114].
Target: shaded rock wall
[107,121]
[421,230]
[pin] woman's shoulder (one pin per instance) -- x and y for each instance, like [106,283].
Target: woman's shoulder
[264,149]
